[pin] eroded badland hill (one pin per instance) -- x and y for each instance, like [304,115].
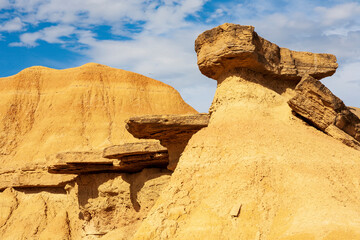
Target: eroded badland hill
[100,153]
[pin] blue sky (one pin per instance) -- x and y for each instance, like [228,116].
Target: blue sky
[156,37]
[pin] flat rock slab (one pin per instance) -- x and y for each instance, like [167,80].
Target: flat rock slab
[316,103]
[159,161]
[319,106]
[131,149]
[230,46]
[343,137]
[32,176]
[167,127]
[80,158]
[130,157]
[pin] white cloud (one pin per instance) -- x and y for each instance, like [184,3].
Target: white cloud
[170,59]
[4,4]
[51,34]
[346,83]
[339,13]
[12,25]
[162,46]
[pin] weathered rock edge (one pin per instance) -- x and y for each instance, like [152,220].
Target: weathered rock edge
[32,176]
[316,103]
[230,46]
[129,157]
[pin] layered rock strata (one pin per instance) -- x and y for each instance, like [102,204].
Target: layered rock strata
[256,171]
[323,109]
[230,46]
[173,131]
[128,157]
[32,176]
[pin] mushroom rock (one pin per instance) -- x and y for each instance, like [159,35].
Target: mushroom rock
[230,46]
[67,117]
[257,171]
[173,131]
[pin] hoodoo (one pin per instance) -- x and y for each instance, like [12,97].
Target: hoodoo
[258,170]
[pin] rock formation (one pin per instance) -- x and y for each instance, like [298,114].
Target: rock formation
[173,131]
[129,157]
[64,119]
[266,163]
[230,46]
[322,108]
[257,171]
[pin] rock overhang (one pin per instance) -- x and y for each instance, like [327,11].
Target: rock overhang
[173,131]
[167,128]
[128,157]
[230,46]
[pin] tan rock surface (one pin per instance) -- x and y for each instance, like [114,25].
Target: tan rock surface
[32,176]
[90,207]
[129,149]
[230,46]
[118,202]
[291,180]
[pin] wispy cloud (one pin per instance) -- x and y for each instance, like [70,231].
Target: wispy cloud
[50,34]
[156,37]
[12,25]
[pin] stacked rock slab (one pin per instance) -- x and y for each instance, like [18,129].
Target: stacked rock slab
[230,46]
[173,131]
[256,171]
[128,157]
[32,176]
[323,109]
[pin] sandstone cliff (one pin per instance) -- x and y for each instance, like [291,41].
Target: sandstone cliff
[258,171]
[73,114]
